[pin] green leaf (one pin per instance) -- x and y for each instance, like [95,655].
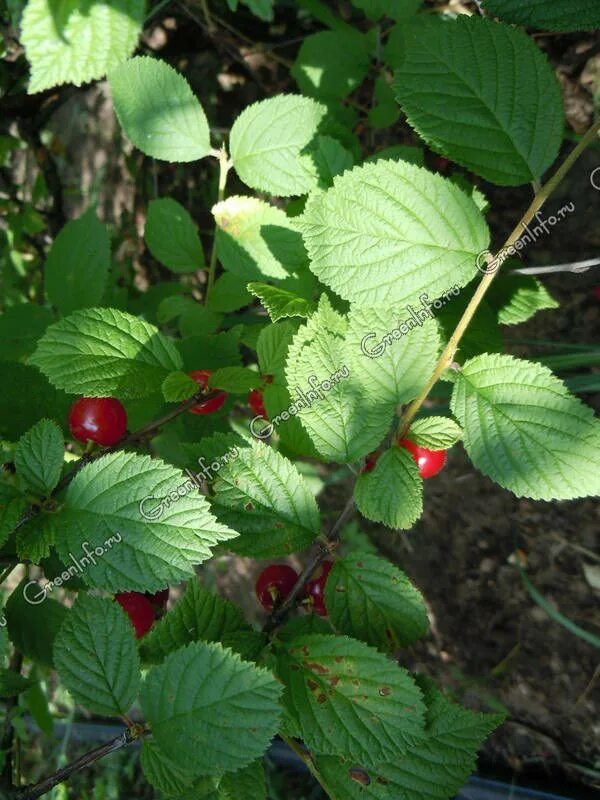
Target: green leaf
[548,15]
[330,158]
[209,710]
[39,457]
[343,423]
[397,9]
[96,657]
[76,42]
[236,380]
[144,522]
[13,505]
[171,236]
[256,240]
[171,779]
[268,141]
[460,99]
[77,266]
[294,440]
[517,298]
[100,352]
[35,701]
[198,320]
[178,386]
[336,688]
[389,232]
[435,433]
[228,293]
[280,303]
[392,492]
[483,334]
[435,768]
[13,684]
[384,111]
[199,615]
[19,381]
[37,536]
[370,599]
[392,357]
[272,348]
[213,351]
[248,783]
[33,621]
[20,328]
[400,152]
[331,64]
[263,9]
[525,431]
[265,498]
[158,110]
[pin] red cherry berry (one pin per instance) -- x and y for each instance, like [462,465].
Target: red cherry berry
[315,589]
[98,419]
[201,377]
[139,610]
[370,462]
[442,164]
[274,584]
[597,292]
[158,599]
[430,462]
[256,403]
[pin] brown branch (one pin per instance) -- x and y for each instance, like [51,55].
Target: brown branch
[39,789]
[327,546]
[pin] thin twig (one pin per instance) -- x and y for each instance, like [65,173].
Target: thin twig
[39,789]
[224,166]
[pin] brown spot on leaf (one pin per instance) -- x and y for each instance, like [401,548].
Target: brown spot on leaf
[312,685]
[338,659]
[360,564]
[318,668]
[249,507]
[360,776]
[383,781]
[385,691]
[334,681]
[321,699]
[279,525]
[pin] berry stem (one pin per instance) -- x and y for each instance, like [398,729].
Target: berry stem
[224,166]
[538,202]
